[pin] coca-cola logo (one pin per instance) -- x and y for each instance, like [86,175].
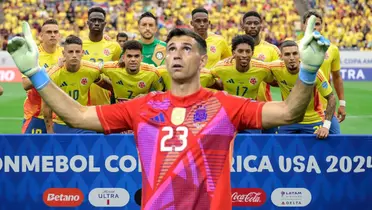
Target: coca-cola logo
[248,197]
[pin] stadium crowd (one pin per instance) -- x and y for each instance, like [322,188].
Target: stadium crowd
[347,22]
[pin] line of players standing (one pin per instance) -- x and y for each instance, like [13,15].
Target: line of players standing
[97,71]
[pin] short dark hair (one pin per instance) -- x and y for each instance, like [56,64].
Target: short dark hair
[309,13]
[288,43]
[50,22]
[150,15]
[121,34]
[252,13]
[199,10]
[242,39]
[96,9]
[202,44]
[72,39]
[132,45]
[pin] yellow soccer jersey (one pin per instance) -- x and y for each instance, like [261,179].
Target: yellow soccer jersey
[100,52]
[47,60]
[217,49]
[314,112]
[330,64]
[206,77]
[243,84]
[127,86]
[75,84]
[266,52]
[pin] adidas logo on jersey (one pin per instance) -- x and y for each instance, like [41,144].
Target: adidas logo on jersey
[159,118]
[64,84]
[230,81]
[283,82]
[120,82]
[86,52]
[46,65]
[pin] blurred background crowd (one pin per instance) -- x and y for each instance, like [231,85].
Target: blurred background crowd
[347,23]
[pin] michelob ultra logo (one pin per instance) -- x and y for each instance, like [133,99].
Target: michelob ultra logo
[109,197]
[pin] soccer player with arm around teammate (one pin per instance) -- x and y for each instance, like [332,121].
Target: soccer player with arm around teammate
[184,127]
[330,67]
[75,79]
[49,54]
[286,73]
[135,78]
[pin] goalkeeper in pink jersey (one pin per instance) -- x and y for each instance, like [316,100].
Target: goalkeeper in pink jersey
[183,135]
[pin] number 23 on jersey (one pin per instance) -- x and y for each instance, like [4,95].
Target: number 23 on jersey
[181,133]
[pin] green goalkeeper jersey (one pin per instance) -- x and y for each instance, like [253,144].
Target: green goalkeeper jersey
[154,53]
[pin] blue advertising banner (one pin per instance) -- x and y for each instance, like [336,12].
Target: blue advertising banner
[267,172]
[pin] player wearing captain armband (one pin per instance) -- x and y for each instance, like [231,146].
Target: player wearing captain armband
[286,73]
[180,131]
[135,78]
[49,54]
[242,76]
[206,79]
[331,67]
[99,50]
[75,79]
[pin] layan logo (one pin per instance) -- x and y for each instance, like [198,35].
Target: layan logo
[291,197]
[109,197]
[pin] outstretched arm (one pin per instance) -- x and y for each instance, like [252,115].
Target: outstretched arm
[312,50]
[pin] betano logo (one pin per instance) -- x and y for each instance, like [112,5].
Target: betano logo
[63,197]
[109,197]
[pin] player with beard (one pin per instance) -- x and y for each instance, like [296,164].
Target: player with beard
[99,50]
[49,54]
[217,47]
[135,78]
[286,74]
[153,49]
[263,51]
[242,76]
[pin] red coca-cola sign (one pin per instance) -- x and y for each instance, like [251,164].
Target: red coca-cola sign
[248,197]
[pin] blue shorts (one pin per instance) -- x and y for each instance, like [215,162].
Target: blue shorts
[251,131]
[33,126]
[335,126]
[300,128]
[58,128]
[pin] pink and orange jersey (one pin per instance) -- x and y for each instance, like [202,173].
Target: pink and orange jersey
[184,144]
[266,52]
[32,104]
[314,112]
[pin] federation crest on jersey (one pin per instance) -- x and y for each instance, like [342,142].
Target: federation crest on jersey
[213,49]
[141,84]
[253,80]
[261,57]
[200,114]
[84,81]
[106,51]
[159,55]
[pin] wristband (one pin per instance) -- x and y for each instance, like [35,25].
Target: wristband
[327,124]
[342,103]
[40,79]
[307,77]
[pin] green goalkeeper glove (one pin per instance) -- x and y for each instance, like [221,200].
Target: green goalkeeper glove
[25,55]
[313,47]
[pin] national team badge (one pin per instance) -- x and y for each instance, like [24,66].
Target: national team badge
[253,80]
[106,51]
[84,81]
[141,84]
[261,57]
[178,115]
[200,114]
[213,49]
[159,55]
